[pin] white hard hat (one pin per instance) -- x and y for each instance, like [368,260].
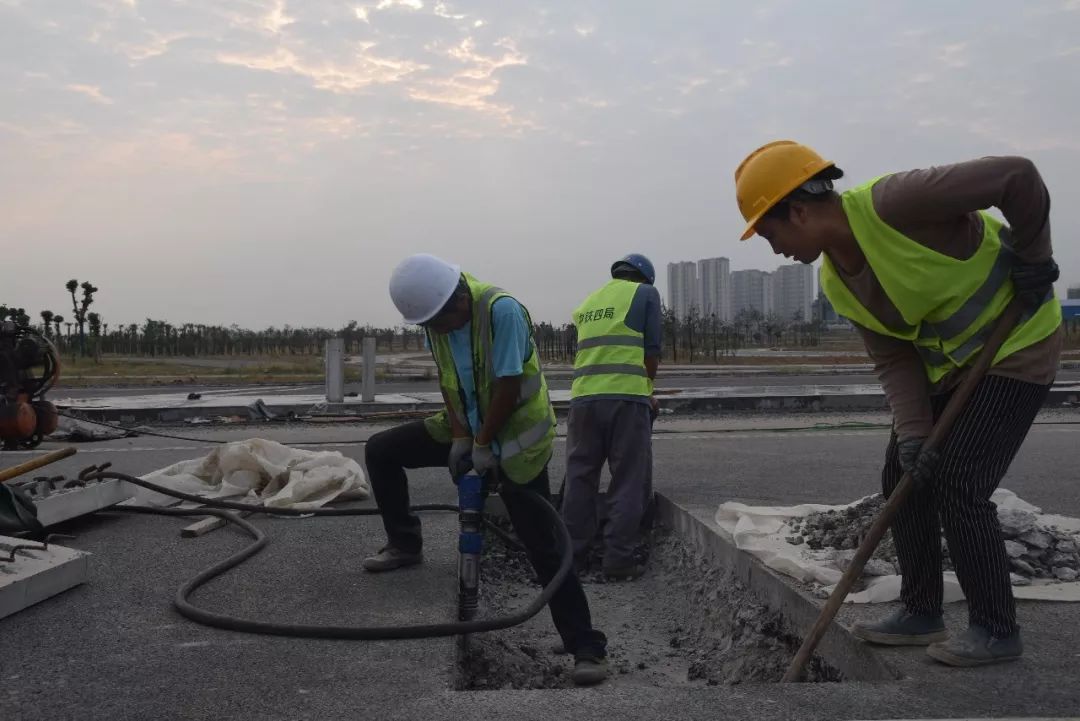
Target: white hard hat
[421,285]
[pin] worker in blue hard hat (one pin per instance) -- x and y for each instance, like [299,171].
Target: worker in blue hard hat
[611,412]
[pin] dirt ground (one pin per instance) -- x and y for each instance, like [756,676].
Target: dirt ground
[683,623]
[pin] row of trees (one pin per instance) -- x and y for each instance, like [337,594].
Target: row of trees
[51,323]
[694,338]
[699,337]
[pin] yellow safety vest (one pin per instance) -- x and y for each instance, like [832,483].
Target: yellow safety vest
[948,305]
[526,438]
[610,358]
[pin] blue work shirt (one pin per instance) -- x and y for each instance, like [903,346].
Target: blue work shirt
[509,350]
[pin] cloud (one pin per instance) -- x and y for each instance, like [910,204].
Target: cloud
[954,55]
[366,68]
[409,4]
[443,11]
[251,124]
[475,83]
[91,91]
[276,20]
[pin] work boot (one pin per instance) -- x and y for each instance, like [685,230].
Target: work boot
[903,629]
[389,558]
[977,647]
[589,669]
[624,573]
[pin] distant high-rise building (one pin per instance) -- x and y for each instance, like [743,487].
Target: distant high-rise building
[752,290]
[793,289]
[682,288]
[714,280]
[823,309]
[1073,293]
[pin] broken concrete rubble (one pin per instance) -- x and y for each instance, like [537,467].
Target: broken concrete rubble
[1034,551]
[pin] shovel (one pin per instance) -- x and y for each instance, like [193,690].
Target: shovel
[1004,325]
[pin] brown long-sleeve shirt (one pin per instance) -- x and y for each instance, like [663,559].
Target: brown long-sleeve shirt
[937,208]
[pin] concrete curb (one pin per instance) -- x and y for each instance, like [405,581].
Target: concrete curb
[854,659]
[816,400]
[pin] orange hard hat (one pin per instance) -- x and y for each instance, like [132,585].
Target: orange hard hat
[770,174]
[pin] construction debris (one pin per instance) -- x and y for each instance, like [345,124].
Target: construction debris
[685,623]
[1035,551]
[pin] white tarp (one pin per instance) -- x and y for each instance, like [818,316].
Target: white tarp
[762,531]
[265,472]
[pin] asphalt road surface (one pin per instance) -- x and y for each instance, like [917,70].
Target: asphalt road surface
[114,649]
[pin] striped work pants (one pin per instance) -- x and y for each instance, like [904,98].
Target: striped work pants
[978,451]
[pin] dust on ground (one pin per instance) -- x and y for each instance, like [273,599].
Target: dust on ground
[684,623]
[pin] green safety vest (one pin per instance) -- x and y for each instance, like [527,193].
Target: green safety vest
[610,358]
[948,305]
[526,438]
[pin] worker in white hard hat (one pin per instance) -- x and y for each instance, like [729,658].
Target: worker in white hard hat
[498,421]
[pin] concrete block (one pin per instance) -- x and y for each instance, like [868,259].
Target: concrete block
[64,504]
[37,575]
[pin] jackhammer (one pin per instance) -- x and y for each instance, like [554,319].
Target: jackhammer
[470,543]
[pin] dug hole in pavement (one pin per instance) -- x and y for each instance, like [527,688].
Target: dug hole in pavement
[689,621]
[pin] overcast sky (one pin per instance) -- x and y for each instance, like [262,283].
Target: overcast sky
[269,161]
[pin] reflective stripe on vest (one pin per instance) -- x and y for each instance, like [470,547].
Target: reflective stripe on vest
[949,304]
[610,359]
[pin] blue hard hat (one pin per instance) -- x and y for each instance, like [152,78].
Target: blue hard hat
[639,262]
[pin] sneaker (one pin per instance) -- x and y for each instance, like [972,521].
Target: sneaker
[976,647]
[624,573]
[589,670]
[903,629]
[390,558]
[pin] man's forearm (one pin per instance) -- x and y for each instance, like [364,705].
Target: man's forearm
[503,402]
[652,364]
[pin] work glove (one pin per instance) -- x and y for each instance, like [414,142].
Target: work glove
[1033,280]
[921,463]
[458,461]
[484,459]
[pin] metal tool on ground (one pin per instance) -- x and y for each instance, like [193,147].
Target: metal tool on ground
[34,463]
[953,409]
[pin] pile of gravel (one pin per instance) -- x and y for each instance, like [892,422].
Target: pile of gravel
[1035,550]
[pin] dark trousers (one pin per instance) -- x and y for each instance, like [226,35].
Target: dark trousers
[975,457]
[390,452]
[620,433]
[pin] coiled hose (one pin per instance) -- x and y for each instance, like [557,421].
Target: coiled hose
[220,508]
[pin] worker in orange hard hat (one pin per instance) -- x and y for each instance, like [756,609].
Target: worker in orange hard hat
[923,271]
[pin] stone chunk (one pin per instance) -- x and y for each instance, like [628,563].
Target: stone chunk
[1014,549]
[1064,560]
[1022,567]
[1065,574]
[1015,523]
[1036,539]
